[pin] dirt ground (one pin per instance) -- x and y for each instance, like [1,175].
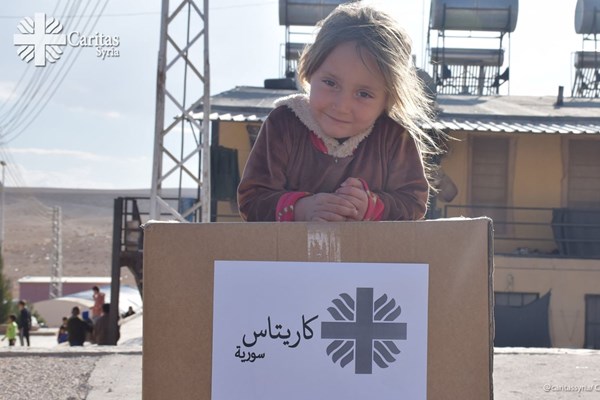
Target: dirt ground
[86,227]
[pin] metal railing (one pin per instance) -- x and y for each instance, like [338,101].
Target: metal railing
[539,231]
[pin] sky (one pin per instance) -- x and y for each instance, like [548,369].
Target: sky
[87,121]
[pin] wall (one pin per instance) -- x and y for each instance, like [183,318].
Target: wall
[569,281]
[538,171]
[234,135]
[536,180]
[456,165]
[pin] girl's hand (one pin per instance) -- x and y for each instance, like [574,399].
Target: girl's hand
[352,190]
[324,207]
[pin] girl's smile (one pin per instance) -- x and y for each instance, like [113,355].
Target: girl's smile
[347,92]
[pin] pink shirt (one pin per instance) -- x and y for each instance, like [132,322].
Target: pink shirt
[98,301]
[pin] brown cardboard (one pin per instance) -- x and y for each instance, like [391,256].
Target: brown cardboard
[178,291]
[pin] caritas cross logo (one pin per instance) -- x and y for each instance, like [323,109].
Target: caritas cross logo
[40,39]
[364,331]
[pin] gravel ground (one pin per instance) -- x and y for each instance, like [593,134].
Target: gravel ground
[531,374]
[50,372]
[560,374]
[45,377]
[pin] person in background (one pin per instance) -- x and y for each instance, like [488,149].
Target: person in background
[63,334]
[24,323]
[352,148]
[11,330]
[98,297]
[129,312]
[101,327]
[77,329]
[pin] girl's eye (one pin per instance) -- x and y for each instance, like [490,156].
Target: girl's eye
[329,82]
[364,95]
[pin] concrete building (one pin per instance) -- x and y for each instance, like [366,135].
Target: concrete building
[529,164]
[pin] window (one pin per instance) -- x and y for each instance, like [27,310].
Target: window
[514,299]
[489,180]
[583,189]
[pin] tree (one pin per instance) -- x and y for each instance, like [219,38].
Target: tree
[5,294]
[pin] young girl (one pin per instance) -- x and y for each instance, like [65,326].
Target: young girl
[11,330]
[352,149]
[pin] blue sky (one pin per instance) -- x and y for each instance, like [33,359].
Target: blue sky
[97,129]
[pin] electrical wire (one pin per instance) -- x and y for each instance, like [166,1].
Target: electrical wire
[12,168]
[53,86]
[30,93]
[40,100]
[26,71]
[263,3]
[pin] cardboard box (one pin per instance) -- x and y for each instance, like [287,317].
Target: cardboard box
[178,292]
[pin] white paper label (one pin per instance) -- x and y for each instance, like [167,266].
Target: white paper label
[317,330]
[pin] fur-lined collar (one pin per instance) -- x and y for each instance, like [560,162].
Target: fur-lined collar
[298,103]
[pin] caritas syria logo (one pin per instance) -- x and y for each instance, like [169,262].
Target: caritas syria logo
[42,39]
[364,331]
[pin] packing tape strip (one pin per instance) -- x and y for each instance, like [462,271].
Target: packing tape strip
[323,243]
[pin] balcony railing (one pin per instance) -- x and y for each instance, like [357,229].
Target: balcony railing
[538,231]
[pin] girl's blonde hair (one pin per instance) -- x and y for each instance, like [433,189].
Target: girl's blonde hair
[390,45]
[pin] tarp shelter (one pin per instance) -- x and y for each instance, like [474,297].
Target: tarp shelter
[524,326]
[54,310]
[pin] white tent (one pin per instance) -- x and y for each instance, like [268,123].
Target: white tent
[55,309]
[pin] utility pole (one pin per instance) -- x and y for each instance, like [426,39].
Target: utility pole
[181,142]
[181,156]
[2,184]
[4,285]
[56,268]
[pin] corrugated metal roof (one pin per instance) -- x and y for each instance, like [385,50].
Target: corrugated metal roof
[509,124]
[518,114]
[243,103]
[234,117]
[495,114]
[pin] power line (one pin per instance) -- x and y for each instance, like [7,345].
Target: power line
[37,208]
[138,14]
[22,77]
[148,13]
[263,3]
[12,168]
[32,89]
[35,96]
[35,86]
[20,117]
[38,97]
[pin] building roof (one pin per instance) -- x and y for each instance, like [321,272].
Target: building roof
[65,279]
[243,103]
[520,114]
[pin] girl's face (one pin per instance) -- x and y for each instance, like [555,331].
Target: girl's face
[347,92]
